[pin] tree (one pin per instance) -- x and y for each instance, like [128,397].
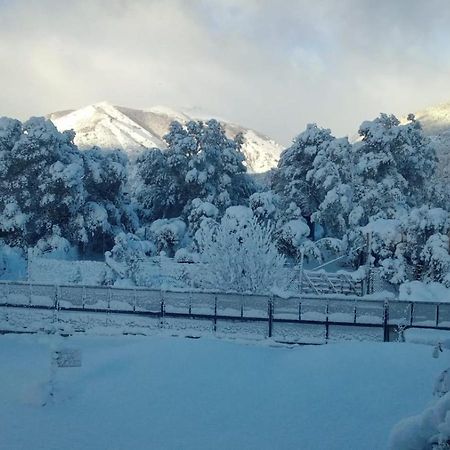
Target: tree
[414,245]
[41,184]
[107,210]
[331,176]
[290,181]
[395,168]
[436,259]
[199,163]
[46,182]
[239,254]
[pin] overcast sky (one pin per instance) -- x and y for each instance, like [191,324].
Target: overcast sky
[271,65]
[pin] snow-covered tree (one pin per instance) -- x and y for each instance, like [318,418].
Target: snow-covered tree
[290,181]
[331,176]
[199,163]
[107,210]
[46,182]
[239,254]
[41,184]
[436,259]
[158,189]
[412,246]
[395,167]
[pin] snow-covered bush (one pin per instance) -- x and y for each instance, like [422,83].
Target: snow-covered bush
[292,240]
[238,217]
[183,255]
[265,206]
[239,255]
[290,233]
[167,234]
[429,430]
[199,210]
[54,247]
[126,256]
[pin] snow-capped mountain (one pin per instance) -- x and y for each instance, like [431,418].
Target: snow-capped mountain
[133,130]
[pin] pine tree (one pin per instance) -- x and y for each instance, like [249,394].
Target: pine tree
[199,163]
[290,181]
[41,184]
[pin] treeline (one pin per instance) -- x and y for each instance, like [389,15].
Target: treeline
[324,198]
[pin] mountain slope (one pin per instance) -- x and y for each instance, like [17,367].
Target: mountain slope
[133,130]
[105,126]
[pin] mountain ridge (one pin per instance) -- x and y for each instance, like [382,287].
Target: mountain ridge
[133,130]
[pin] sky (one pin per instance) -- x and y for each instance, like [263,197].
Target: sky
[270,65]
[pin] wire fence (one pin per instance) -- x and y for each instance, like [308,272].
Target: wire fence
[276,317]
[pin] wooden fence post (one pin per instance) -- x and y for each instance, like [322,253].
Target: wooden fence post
[56,305]
[215,313]
[162,311]
[386,321]
[270,313]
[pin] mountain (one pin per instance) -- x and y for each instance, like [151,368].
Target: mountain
[134,130]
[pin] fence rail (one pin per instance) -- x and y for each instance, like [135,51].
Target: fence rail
[328,312]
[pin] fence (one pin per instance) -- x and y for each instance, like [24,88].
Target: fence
[288,320]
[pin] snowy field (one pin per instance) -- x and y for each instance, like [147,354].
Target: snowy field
[174,393]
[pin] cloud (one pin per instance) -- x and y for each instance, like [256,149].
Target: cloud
[274,66]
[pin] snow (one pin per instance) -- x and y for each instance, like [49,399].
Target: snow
[162,392]
[55,271]
[103,125]
[296,230]
[261,153]
[109,127]
[424,292]
[418,432]
[13,265]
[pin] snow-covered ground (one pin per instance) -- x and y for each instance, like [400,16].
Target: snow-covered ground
[173,393]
